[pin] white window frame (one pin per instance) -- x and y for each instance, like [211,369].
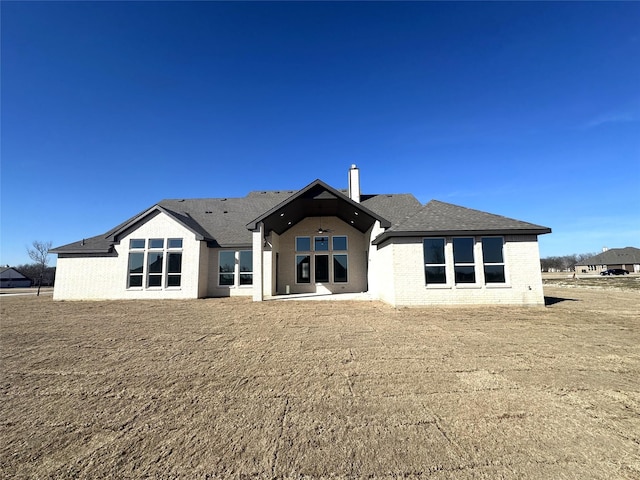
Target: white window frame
[346,242]
[310,256]
[503,264]
[478,264]
[474,264]
[329,252]
[240,272]
[447,274]
[236,270]
[146,274]
[320,237]
[295,246]
[333,269]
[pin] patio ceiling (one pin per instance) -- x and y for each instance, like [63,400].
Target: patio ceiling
[317,200]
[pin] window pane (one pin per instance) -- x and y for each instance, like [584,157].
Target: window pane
[435,274]
[303,244]
[154,260]
[155,280]
[465,274]
[340,243]
[339,268]
[494,274]
[173,281]
[463,250]
[246,279]
[492,249]
[135,280]
[322,268]
[246,261]
[303,268]
[136,243]
[226,278]
[174,263]
[156,243]
[433,250]
[321,244]
[136,262]
[174,243]
[227,262]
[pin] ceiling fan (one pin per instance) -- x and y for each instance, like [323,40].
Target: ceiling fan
[321,230]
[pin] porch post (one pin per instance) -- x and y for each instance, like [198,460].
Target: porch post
[258,252]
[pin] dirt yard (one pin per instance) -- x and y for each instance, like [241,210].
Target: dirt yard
[225,388]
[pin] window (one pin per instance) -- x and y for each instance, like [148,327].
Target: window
[235,268]
[227,268]
[156,243]
[340,268]
[321,244]
[147,268]
[321,264]
[174,269]
[339,243]
[303,268]
[493,260]
[322,268]
[246,267]
[303,244]
[463,261]
[434,262]
[174,243]
[136,269]
[154,269]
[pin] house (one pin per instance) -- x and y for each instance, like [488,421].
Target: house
[627,258]
[317,240]
[12,278]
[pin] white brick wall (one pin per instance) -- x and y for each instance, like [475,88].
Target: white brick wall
[93,278]
[395,270]
[405,257]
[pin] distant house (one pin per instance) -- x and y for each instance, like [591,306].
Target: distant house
[317,240]
[627,258]
[12,278]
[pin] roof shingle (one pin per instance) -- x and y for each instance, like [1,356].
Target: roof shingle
[223,221]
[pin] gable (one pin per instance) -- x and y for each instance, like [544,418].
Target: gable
[10,273]
[228,222]
[317,200]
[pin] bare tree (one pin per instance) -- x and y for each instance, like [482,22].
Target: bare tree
[40,255]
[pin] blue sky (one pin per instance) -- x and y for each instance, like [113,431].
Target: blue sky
[528,110]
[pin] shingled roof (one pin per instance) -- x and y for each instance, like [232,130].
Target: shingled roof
[615,256]
[440,218]
[223,222]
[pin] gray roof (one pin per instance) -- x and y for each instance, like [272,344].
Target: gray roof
[10,272]
[223,221]
[440,218]
[615,256]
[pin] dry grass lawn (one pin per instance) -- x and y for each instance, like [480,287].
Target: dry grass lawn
[227,388]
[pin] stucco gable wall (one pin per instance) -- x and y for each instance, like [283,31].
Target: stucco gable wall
[94,278]
[522,263]
[357,244]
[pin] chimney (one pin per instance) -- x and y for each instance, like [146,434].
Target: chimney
[604,249]
[354,184]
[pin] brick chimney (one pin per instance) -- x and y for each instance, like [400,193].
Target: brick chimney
[354,184]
